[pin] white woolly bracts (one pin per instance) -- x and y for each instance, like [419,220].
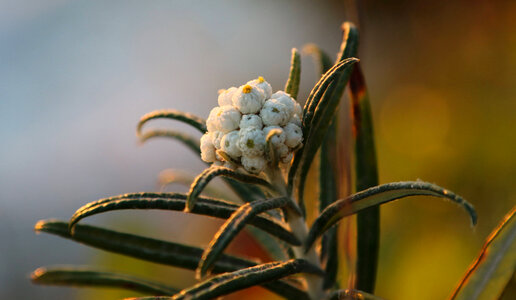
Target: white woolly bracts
[238,127]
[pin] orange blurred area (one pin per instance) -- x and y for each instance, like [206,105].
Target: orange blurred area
[76,77]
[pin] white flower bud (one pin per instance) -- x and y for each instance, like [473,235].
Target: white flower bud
[212,123]
[228,118]
[229,144]
[276,139]
[251,120]
[225,96]
[248,99]
[286,100]
[294,135]
[216,137]
[295,120]
[263,85]
[207,148]
[274,113]
[251,141]
[253,164]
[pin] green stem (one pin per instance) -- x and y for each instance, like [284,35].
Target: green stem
[297,224]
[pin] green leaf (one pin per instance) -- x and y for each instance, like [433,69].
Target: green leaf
[92,278]
[368,221]
[157,251]
[316,101]
[232,227]
[191,142]
[318,113]
[488,275]
[292,86]
[190,119]
[379,195]
[328,193]
[207,175]
[319,124]
[352,295]
[169,177]
[320,57]
[277,250]
[317,117]
[175,201]
[230,282]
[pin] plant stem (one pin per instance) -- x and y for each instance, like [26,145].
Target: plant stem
[297,224]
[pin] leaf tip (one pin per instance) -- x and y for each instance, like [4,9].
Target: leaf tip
[36,275]
[40,225]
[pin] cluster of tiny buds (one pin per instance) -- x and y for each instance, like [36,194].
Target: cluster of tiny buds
[238,127]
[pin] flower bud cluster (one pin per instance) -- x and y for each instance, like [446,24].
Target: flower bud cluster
[238,127]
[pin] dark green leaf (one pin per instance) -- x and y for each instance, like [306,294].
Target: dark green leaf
[317,117]
[328,194]
[319,124]
[352,295]
[292,86]
[207,175]
[230,282]
[91,278]
[320,57]
[378,195]
[488,275]
[276,249]
[157,251]
[232,227]
[191,142]
[195,121]
[175,201]
[368,221]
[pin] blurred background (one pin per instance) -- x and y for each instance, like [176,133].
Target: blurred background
[76,76]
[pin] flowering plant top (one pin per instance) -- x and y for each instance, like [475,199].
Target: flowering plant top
[238,128]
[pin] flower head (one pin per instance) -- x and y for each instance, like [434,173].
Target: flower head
[238,127]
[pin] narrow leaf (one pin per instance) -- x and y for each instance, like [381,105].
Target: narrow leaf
[322,118]
[169,177]
[277,250]
[328,194]
[157,251]
[207,175]
[320,57]
[232,227]
[493,268]
[191,142]
[292,86]
[352,295]
[379,195]
[313,131]
[190,119]
[91,278]
[230,282]
[368,221]
[175,201]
